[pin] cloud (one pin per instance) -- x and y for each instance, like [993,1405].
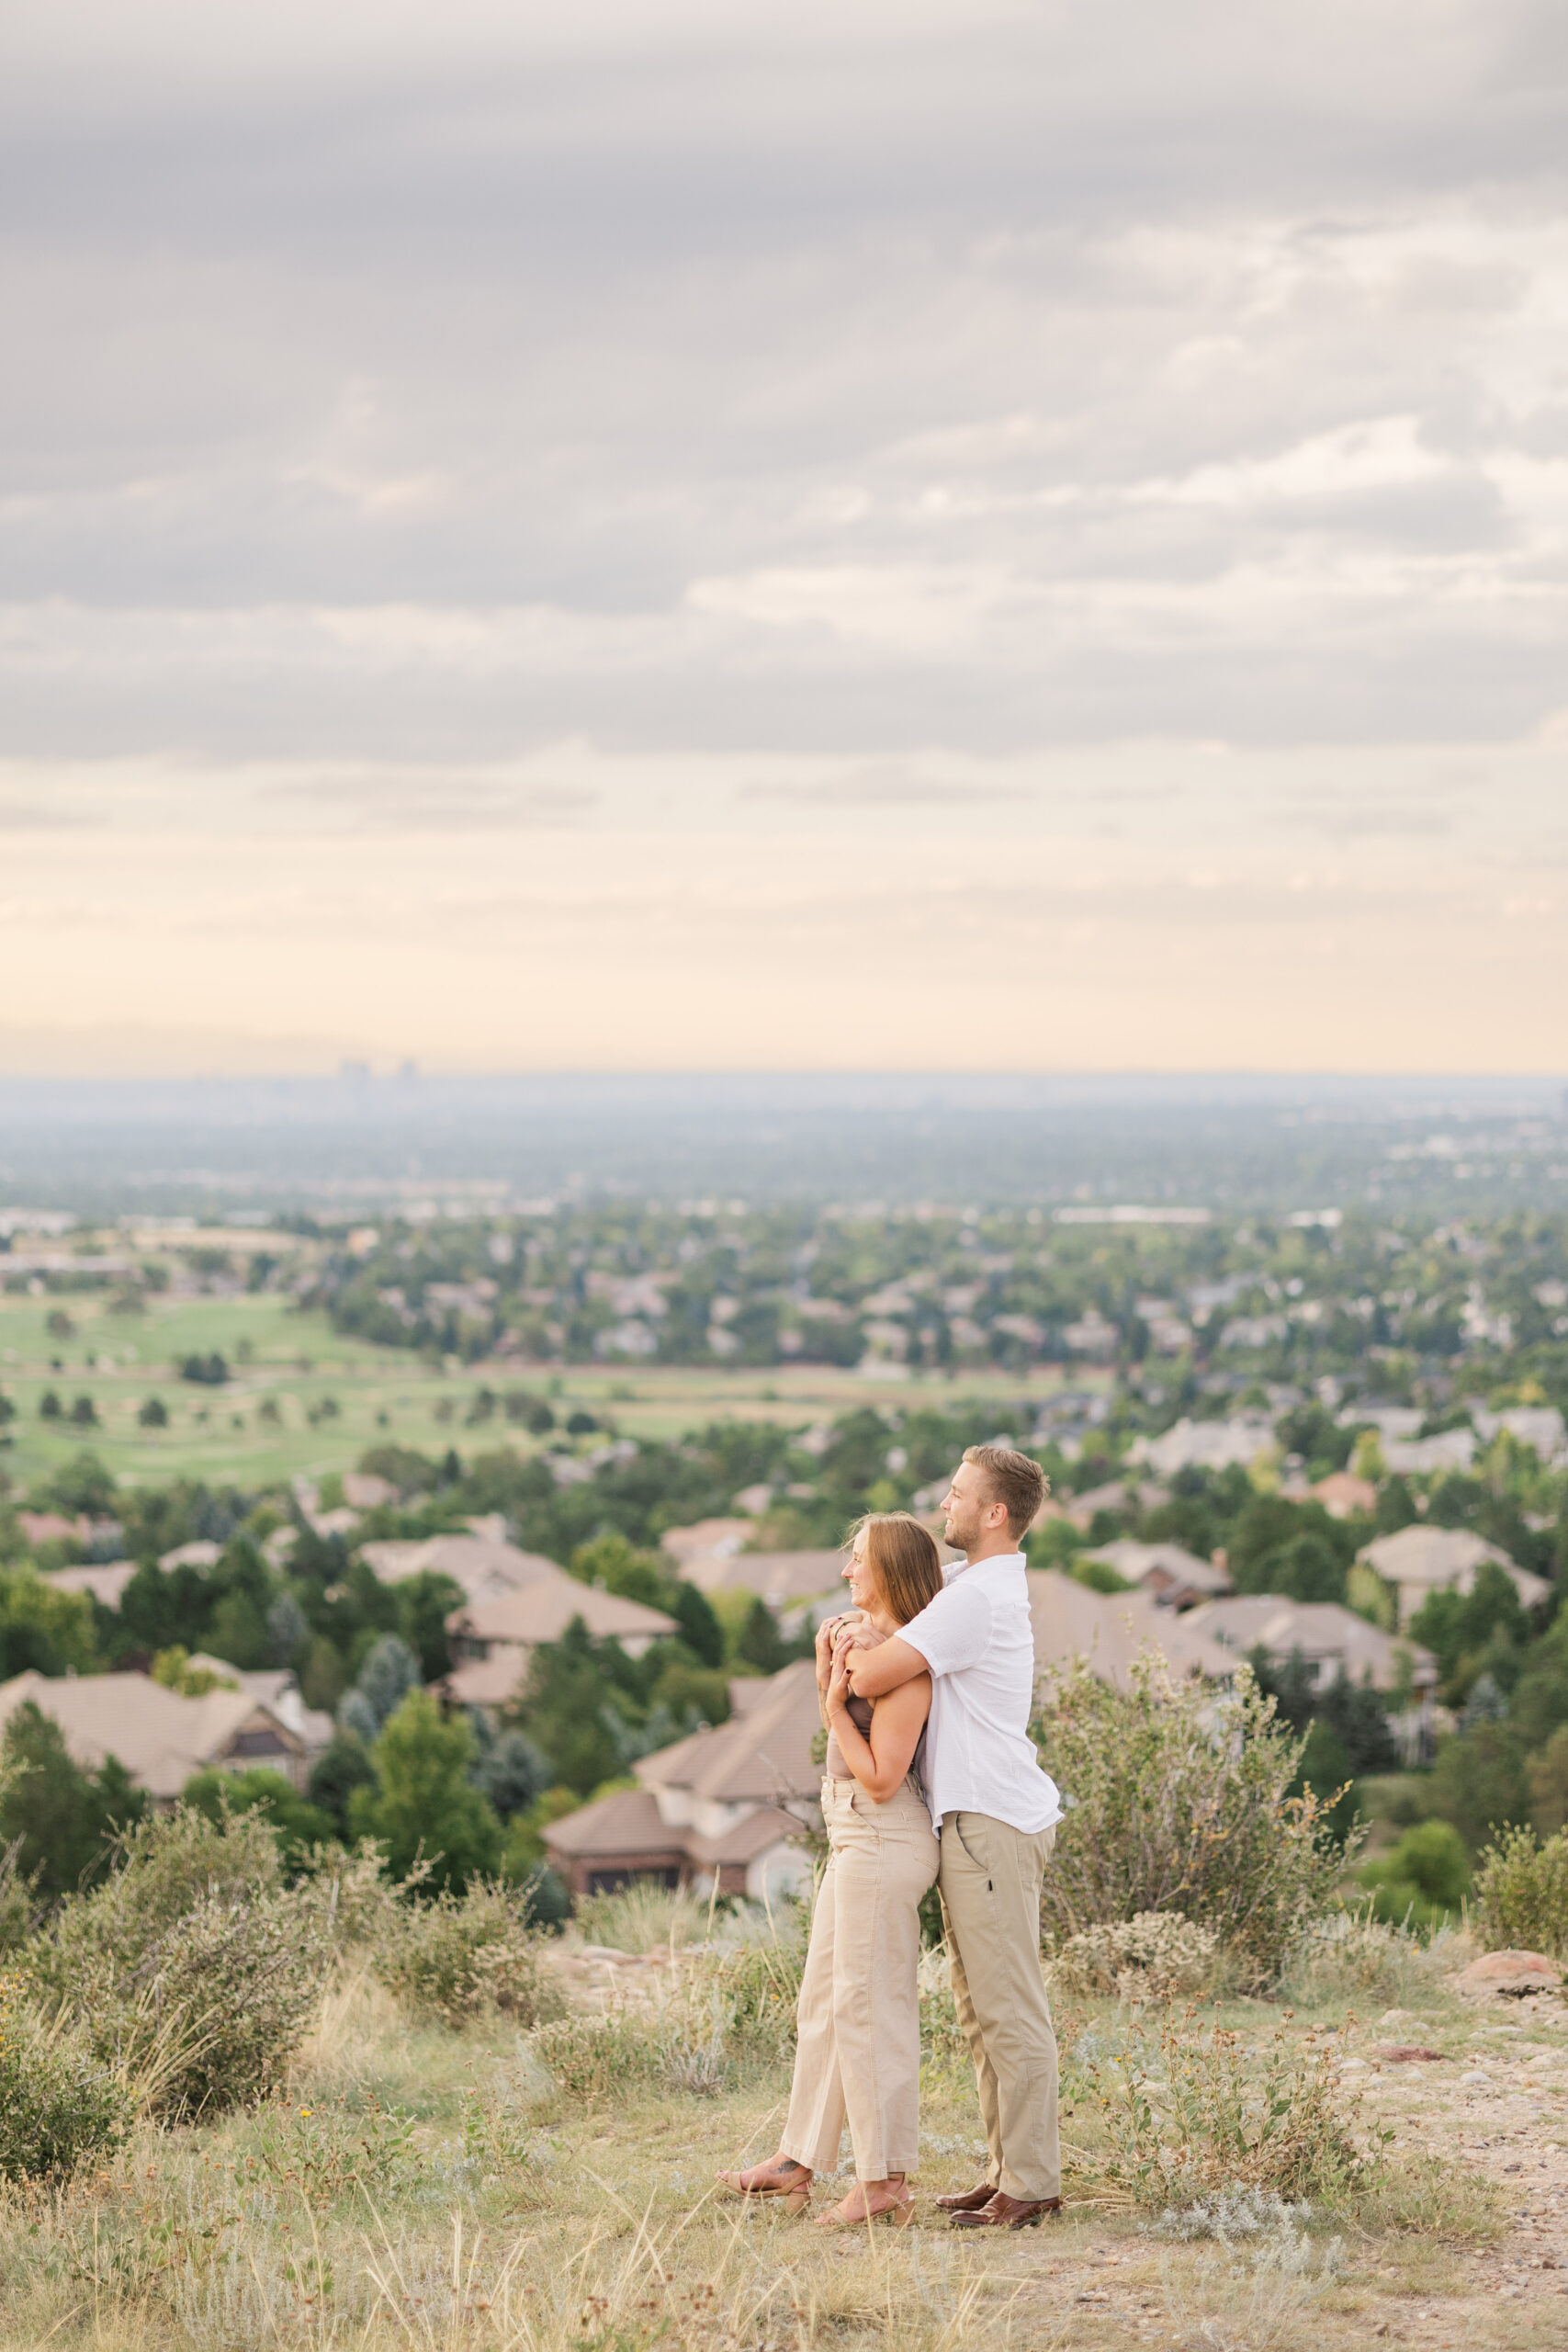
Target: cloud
[489,427]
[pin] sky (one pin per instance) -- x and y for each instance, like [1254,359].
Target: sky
[970,533]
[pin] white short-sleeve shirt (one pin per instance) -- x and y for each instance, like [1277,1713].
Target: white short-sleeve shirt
[976,1638]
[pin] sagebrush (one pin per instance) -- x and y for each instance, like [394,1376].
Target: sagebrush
[1521,1892]
[1179,1801]
[1156,1954]
[59,2107]
[192,1970]
[1189,2110]
[451,1956]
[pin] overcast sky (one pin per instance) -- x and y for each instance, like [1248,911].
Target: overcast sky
[1031,535]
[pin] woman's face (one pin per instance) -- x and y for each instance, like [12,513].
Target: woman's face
[858,1575]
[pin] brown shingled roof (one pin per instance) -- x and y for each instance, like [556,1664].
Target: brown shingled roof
[762,1757]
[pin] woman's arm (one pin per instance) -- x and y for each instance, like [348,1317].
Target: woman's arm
[881,1763]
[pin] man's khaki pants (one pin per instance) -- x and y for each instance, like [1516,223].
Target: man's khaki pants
[990,1906]
[858,2018]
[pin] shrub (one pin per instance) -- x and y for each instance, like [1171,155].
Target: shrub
[592,2057]
[323,2153]
[1350,1956]
[689,2044]
[757,1964]
[457,1955]
[1177,1801]
[192,1969]
[643,1917]
[341,1767]
[1149,1958]
[58,2105]
[1423,1879]
[1100,1576]
[1521,1892]
[1185,2112]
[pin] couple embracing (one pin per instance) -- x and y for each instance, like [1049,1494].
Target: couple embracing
[930,1776]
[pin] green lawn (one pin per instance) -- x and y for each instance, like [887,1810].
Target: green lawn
[297,1360]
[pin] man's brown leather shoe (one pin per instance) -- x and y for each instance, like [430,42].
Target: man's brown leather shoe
[966,2200]
[1004,2213]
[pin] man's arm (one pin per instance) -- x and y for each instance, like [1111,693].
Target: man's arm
[875,1672]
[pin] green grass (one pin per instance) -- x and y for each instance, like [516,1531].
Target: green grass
[383,1393]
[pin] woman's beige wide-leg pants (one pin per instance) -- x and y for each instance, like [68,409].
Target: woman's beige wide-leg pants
[858,2018]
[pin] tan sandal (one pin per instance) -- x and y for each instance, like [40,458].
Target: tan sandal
[795,2194]
[900,2214]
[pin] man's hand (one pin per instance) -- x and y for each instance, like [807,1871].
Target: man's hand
[880,1664]
[855,1633]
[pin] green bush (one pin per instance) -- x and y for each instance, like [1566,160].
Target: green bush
[192,1970]
[57,2106]
[1178,1801]
[456,1955]
[1188,2111]
[1423,1879]
[1521,1894]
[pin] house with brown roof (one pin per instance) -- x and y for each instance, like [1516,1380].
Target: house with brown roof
[482,1566]
[724,1806]
[1166,1572]
[493,1639]
[105,1579]
[278,1689]
[1330,1638]
[787,1581]
[1419,1560]
[160,1736]
[1109,1630]
[1344,1496]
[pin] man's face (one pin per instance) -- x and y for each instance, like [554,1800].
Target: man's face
[966,1507]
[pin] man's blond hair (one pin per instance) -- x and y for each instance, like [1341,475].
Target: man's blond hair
[1013,1479]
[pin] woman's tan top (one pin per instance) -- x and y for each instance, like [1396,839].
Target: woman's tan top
[833,1764]
[859,1710]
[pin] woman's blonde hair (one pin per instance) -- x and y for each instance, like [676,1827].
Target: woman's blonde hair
[905,1563]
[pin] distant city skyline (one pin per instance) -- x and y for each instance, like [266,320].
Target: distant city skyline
[927,537]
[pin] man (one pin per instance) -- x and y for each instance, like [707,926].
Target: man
[996,1814]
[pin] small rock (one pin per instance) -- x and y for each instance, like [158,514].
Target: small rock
[1353,2066]
[1476,2080]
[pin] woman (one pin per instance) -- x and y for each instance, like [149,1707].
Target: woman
[858,2044]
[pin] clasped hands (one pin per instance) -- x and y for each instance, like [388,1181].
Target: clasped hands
[837,1640]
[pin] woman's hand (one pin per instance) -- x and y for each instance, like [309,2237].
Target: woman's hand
[839,1684]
